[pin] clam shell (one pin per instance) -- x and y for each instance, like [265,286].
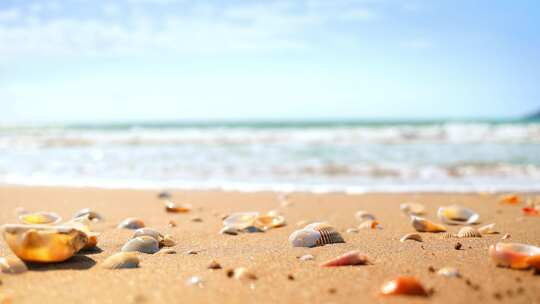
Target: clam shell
[89,214]
[172,207]
[514,255]
[229,231]
[348,259]
[456,215]
[43,243]
[148,232]
[411,236]
[144,244]
[316,234]
[488,229]
[131,223]
[450,272]
[369,224]
[12,265]
[40,218]
[403,285]
[468,232]
[412,208]
[240,220]
[423,225]
[364,215]
[121,260]
[266,222]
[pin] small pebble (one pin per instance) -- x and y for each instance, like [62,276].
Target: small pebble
[214,265]
[196,219]
[168,251]
[431,269]
[306,257]
[193,252]
[290,277]
[457,246]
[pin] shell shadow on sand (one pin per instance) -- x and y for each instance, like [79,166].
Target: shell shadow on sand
[77,262]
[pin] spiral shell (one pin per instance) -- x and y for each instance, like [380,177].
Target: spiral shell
[468,232]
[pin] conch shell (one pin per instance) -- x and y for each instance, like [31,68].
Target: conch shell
[423,225]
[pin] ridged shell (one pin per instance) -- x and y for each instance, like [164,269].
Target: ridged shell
[316,234]
[403,285]
[363,216]
[456,215]
[131,223]
[348,259]
[40,218]
[144,244]
[43,243]
[12,265]
[450,272]
[89,214]
[423,225]
[514,255]
[412,208]
[240,220]
[468,232]
[488,229]
[447,235]
[121,260]
[148,232]
[411,236]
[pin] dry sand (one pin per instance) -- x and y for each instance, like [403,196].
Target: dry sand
[162,277]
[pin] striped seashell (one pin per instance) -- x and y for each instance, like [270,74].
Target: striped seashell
[447,235]
[316,234]
[468,232]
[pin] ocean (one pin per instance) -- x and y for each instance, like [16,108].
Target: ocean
[318,156]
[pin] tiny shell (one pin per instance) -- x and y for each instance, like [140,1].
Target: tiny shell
[89,214]
[316,234]
[412,208]
[12,265]
[411,236]
[511,199]
[364,215]
[369,224]
[423,225]
[167,241]
[352,230]
[514,255]
[403,285]
[195,281]
[121,260]
[488,229]
[456,215]
[449,272]
[172,207]
[306,257]
[240,220]
[229,230]
[40,218]
[148,232]
[144,244]
[468,232]
[348,259]
[214,265]
[243,274]
[447,235]
[506,236]
[131,223]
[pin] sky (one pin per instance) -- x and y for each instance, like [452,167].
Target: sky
[139,60]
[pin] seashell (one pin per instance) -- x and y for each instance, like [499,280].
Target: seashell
[131,223]
[423,225]
[172,207]
[192,251]
[89,214]
[40,218]
[316,234]
[168,251]
[167,241]
[92,236]
[411,236]
[195,281]
[447,235]
[121,260]
[348,259]
[43,243]
[369,224]
[506,236]
[12,265]
[172,224]
[266,222]
[510,199]
[530,211]
[412,208]
[243,274]
[456,215]
[468,232]
[534,261]
[449,272]
[364,215]
[514,255]
[229,231]
[240,220]
[144,244]
[148,232]
[306,257]
[488,229]
[352,230]
[214,265]
[403,285]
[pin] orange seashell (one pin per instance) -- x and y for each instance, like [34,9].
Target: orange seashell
[534,261]
[514,255]
[348,259]
[511,199]
[174,208]
[403,285]
[530,211]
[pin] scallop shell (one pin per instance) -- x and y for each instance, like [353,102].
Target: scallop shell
[43,243]
[423,225]
[411,236]
[456,215]
[148,232]
[266,222]
[121,260]
[412,208]
[12,265]
[449,272]
[403,285]
[240,220]
[364,215]
[468,232]
[348,259]
[144,244]
[172,207]
[40,218]
[131,223]
[514,255]
[316,234]
[88,214]
[369,224]
[488,229]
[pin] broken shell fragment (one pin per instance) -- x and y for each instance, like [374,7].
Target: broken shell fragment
[89,214]
[352,230]
[148,232]
[369,224]
[121,260]
[40,218]
[411,236]
[316,234]
[412,208]
[240,220]
[456,215]
[144,244]
[42,243]
[131,223]
[403,285]
[364,215]
[488,229]
[195,281]
[514,255]
[348,259]
[423,225]
[468,232]
[12,265]
[449,272]
[172,207]
[167,241]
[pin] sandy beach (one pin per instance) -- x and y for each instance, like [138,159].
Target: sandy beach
[281,276]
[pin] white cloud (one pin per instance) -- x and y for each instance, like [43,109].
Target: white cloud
[11,14]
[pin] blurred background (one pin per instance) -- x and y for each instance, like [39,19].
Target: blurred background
[342,95]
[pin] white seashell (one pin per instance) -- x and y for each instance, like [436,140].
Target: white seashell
[468,232]
[89,214]
[411,236]
[144,244]
[456,215]
[306,257]
[148,232]
[506,236]
[240,220]
[195,281]
[352,230]
[423,225]
[121,260]
[229,231]
[412,208]
[131,223]
[450,272]
[316,234]
[12,265]
[369,224]
[40,218]
[364,215]
[514,255]
[488,229]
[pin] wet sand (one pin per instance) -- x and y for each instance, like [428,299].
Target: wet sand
[161,278]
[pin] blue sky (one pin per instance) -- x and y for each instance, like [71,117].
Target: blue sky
[117,60]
